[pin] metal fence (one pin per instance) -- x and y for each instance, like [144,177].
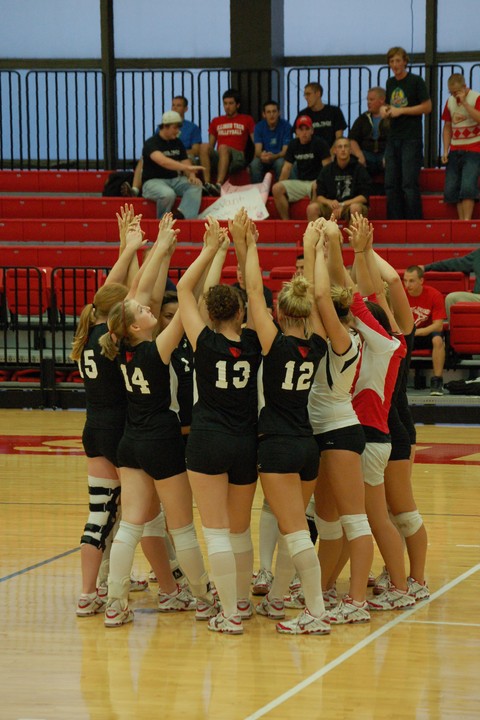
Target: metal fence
[57,119]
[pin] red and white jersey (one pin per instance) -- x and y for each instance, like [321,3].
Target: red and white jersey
[378,368]
[465,130]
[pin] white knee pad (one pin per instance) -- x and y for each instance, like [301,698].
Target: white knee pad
[310,511]
[355,526]
[217,540]
[241,542]
[184,538]
[328,530]
[297,542]
[129,534]
[103,504]
[408,523]
[155,527]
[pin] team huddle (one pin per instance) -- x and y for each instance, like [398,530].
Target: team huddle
[202,391]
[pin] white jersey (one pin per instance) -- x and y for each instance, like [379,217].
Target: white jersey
[330,400]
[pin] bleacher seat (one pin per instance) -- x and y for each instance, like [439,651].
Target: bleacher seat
[465,328]
[73,288]
[28,295]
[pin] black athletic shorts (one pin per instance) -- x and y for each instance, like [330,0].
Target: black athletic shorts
[288,454]
[405,415]
[401,447]
[102,442]
[215,453]
[425,342]
[350,438]
[159,458]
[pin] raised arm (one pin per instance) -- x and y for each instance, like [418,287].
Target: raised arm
[257,306]
[165,239]
[336,330]
[213,273]
[134,240]
[358,236]
[398,297]
[311,238]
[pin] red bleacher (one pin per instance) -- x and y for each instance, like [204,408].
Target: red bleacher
[465,328]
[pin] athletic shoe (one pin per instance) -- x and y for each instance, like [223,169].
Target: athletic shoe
[436,385]
[295,584]
[205,610]
[102,592]
[274,609]
[382,582]
[213,189]
[330,598]
[177,601]
[117,613]
[90,604]
[262,583]
[152,577]
[391,599]
[126,190]
[305,624]
[416,589]
[245,609]
[138,585]
[295,600]
[371,580]
[230,626]
[347,612]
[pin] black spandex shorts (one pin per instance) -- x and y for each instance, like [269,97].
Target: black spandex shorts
[284,454]
[159,458]
[215,453]
[102,442]
[350,438]
[401,447]
[405,415]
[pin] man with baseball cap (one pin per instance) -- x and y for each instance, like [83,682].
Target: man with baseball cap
[310,154]
[167,171]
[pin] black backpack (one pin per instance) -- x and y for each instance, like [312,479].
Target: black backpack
[464,387]
[115,182]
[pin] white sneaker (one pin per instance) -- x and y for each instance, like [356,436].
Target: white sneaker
[274,608]
[138,585]
[391,599]
[295,600]
[245,608]
[417,590]
[371,580]
[152,577]
[262,582]
[90,604]
[305,624]
[230,626]
[330,598]
[177,601]
[295,584]
[117,613]
[348,612]
[382,582]
[205,610]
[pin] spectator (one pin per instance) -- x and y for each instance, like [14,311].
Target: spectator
[240,285]
[167,172]
[428,309]
[368,135]
[231,133]
[309,153]
[467,264]
[343,186]
[408,100]
[271,137]
[300,265]
[328,121]
[461,146]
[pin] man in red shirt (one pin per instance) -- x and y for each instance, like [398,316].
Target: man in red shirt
[428,309]
[230,133]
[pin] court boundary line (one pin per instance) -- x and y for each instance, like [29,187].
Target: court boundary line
[403,616]
[38,565]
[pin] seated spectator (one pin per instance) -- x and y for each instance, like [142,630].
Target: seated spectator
[467,264]
[328,120]
[240,285]
[342,188]
[230,133]
[369,132]
[428,309]
[271,137]
[461,146]
[168,173]
[299,264]
[309,153]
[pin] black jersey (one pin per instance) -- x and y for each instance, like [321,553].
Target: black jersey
[106,400]
[287,376]
[182,363]
[150,410]
[226,382]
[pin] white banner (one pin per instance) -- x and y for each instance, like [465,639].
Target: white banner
[226,207]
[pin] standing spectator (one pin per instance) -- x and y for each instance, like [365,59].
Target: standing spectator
[168,173]
[230,133]
[271,137]
[407,100]
[309,153]
[328,120]
[343,186]
[467,264]
[369,132]
[428,309]
[461,146]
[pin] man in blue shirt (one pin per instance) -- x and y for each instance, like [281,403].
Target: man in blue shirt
[189,133]
[271,137]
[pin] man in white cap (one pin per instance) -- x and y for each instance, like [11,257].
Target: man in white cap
[168,173]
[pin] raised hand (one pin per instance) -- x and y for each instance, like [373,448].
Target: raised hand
[238,226]
[213,236]
[135,236]
[252,233]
